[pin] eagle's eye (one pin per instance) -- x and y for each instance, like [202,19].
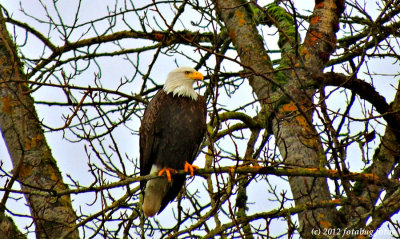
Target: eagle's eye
[187,72]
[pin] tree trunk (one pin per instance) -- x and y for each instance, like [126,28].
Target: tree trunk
[385,162]
[292,127]
[34,166]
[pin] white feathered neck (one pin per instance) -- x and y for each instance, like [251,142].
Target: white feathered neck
[179,85]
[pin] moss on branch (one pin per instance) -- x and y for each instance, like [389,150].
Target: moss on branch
[367,178]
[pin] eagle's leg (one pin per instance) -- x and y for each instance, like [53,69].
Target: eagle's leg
[189,168]
[168,172]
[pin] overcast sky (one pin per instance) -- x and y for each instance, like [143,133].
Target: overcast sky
[71,157]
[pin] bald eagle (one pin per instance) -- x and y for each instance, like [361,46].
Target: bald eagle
[172,128]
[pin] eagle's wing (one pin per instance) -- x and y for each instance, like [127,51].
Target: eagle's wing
[148,139]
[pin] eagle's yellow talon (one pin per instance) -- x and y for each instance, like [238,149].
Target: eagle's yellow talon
[168,172]
[190,168]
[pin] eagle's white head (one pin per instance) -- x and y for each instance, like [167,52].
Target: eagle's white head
[180,82]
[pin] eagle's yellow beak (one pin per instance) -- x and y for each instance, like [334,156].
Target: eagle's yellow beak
[195,76]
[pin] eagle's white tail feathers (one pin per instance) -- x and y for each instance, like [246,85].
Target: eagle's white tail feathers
[154,193]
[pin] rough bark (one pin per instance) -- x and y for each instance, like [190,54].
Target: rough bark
[34,166]
[249,44]
[8,230]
